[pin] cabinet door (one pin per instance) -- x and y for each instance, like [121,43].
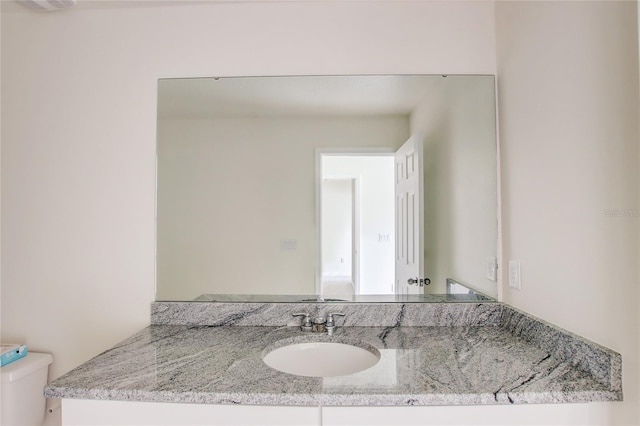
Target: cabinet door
[76,412]
[502,415]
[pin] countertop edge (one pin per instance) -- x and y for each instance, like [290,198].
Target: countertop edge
[336,400]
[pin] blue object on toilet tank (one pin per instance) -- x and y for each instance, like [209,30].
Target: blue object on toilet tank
[11,352]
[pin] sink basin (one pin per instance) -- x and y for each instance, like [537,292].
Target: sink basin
[321,359]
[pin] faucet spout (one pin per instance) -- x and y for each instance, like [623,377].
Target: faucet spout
[319,325]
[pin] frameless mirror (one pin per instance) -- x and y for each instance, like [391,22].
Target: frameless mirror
[341,187]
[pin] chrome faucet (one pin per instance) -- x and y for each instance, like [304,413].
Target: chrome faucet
[318,324]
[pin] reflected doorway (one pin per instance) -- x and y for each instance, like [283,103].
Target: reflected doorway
[357,224]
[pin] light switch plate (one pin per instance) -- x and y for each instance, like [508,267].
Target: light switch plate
[288,245]
[514,275]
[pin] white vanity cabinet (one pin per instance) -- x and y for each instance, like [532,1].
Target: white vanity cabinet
[477,415]
[84,412]
[76,412]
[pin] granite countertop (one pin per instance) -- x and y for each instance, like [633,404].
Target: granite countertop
[420,365]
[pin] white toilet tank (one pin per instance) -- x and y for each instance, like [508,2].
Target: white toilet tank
[23,382]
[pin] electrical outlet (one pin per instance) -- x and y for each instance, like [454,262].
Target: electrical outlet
[492,269]
[514,275]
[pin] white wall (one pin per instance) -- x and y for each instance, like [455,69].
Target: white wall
[568,99]
[230,190]
[459,182]
[337,227]
[78,134]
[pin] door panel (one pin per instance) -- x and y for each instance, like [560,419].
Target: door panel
[409,216]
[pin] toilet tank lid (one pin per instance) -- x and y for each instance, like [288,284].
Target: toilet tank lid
[31,362]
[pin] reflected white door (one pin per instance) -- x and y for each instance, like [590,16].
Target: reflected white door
[409,216]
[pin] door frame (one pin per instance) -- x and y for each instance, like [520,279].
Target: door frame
[341,152]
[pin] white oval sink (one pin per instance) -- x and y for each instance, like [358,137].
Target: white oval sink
[321,359]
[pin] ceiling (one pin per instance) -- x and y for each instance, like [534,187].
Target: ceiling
[294,95]
[17,6]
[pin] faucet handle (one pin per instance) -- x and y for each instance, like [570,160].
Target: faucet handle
[330,322]
[306,321]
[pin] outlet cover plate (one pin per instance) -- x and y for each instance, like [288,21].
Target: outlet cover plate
[514,275]
[492,269]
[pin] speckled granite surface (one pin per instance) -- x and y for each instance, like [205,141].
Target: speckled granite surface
[499,358]
[602,363]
